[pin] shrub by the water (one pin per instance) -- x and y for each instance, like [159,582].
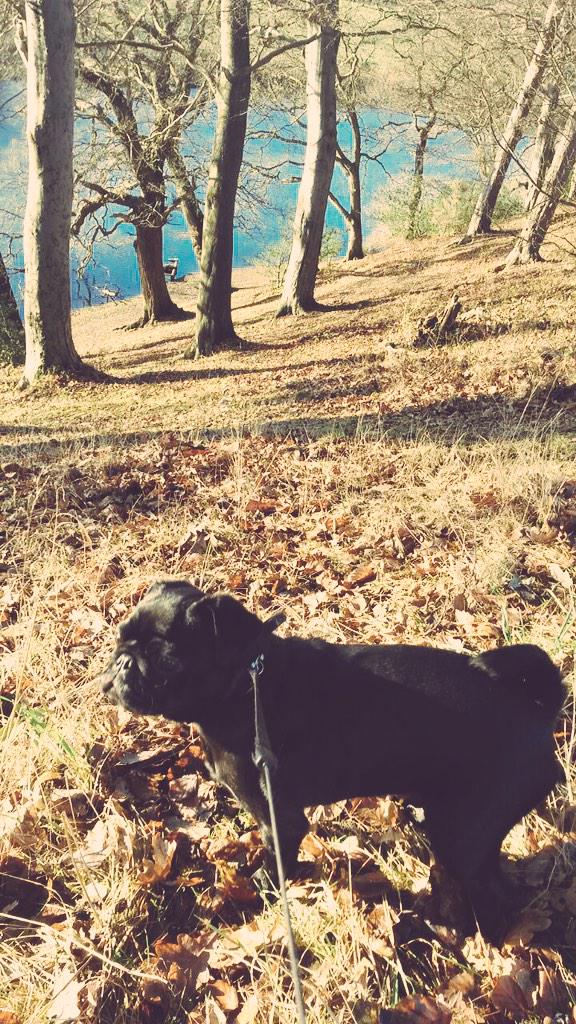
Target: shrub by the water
[445,207]
[276,255]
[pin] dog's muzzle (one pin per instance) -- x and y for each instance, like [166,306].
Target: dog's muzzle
[121,681]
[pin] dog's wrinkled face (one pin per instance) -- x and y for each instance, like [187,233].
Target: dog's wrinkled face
[174,650]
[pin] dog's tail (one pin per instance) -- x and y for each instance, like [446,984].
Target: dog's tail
[527,669]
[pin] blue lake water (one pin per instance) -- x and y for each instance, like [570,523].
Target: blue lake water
[265,205]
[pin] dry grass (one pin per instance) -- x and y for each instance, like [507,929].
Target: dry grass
[375,492]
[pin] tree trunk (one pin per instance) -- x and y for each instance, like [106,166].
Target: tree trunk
[49,58]
[546,136]
[351,167]
[298,290]
[157,302]
[481,220]
[418,179]
[12,347]
[355,249]
[188,201]
[214,328]
[537,222]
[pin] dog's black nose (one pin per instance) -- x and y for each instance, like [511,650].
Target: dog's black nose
[117,671]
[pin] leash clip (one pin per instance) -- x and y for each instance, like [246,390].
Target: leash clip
[257,665]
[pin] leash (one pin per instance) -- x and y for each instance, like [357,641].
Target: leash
[266,762]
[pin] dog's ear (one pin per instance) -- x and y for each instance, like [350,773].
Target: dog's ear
[228,620]
[171,587]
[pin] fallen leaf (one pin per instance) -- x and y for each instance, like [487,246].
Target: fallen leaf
[249,1010]
[314,847]
[64,1005]
[264,506]
[73,802]
[507,995]
[464,619]
[245,942]
[237,581]
[551,992]
[359,577]
[187,960]
[99,999]
[417,1010]
[214,1015]
[159,867]
[155,999]
[19,826]
[96,891]
[234,886]
[157,757]
[560,575]
[224,994]
[110,836]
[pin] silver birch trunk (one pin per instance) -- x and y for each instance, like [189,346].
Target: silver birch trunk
[537,222]
[546,135]
[48,52]
[300,279]
[481,220]
[214,328]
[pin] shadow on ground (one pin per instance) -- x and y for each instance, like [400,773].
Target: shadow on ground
[457,420]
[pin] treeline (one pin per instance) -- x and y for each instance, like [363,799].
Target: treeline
[140,78]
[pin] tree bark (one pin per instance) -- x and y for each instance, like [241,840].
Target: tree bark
[537,222]
[418,178]
[147,156]
[300,279]
[351,167]
[191,208]
[546,136]
[49,58]
[149,225]
[157,302]
[214,327]
[355,248]
[12,346]
[481,220]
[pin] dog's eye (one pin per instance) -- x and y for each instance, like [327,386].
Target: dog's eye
[154,646]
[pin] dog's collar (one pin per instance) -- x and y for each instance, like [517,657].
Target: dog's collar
[263,756]
[253,656]
[256,661]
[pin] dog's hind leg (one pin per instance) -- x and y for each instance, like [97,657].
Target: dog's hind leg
[466,839]
[467,829]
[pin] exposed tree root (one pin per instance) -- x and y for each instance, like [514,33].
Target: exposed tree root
[209,347]
[295,307]
[149,320]
[82,372]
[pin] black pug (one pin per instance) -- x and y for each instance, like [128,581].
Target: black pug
[469,739]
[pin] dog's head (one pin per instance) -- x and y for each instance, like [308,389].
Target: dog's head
[178,652]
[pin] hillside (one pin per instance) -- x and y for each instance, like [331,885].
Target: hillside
[372,490]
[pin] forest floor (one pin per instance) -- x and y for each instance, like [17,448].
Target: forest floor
[373,491]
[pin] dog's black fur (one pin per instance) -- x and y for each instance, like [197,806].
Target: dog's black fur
[470,739]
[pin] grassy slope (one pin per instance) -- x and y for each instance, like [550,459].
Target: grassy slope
[372,490]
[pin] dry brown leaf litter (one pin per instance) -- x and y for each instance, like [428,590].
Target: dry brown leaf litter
[448,515]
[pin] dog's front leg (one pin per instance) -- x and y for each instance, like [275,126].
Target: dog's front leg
[241,776]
